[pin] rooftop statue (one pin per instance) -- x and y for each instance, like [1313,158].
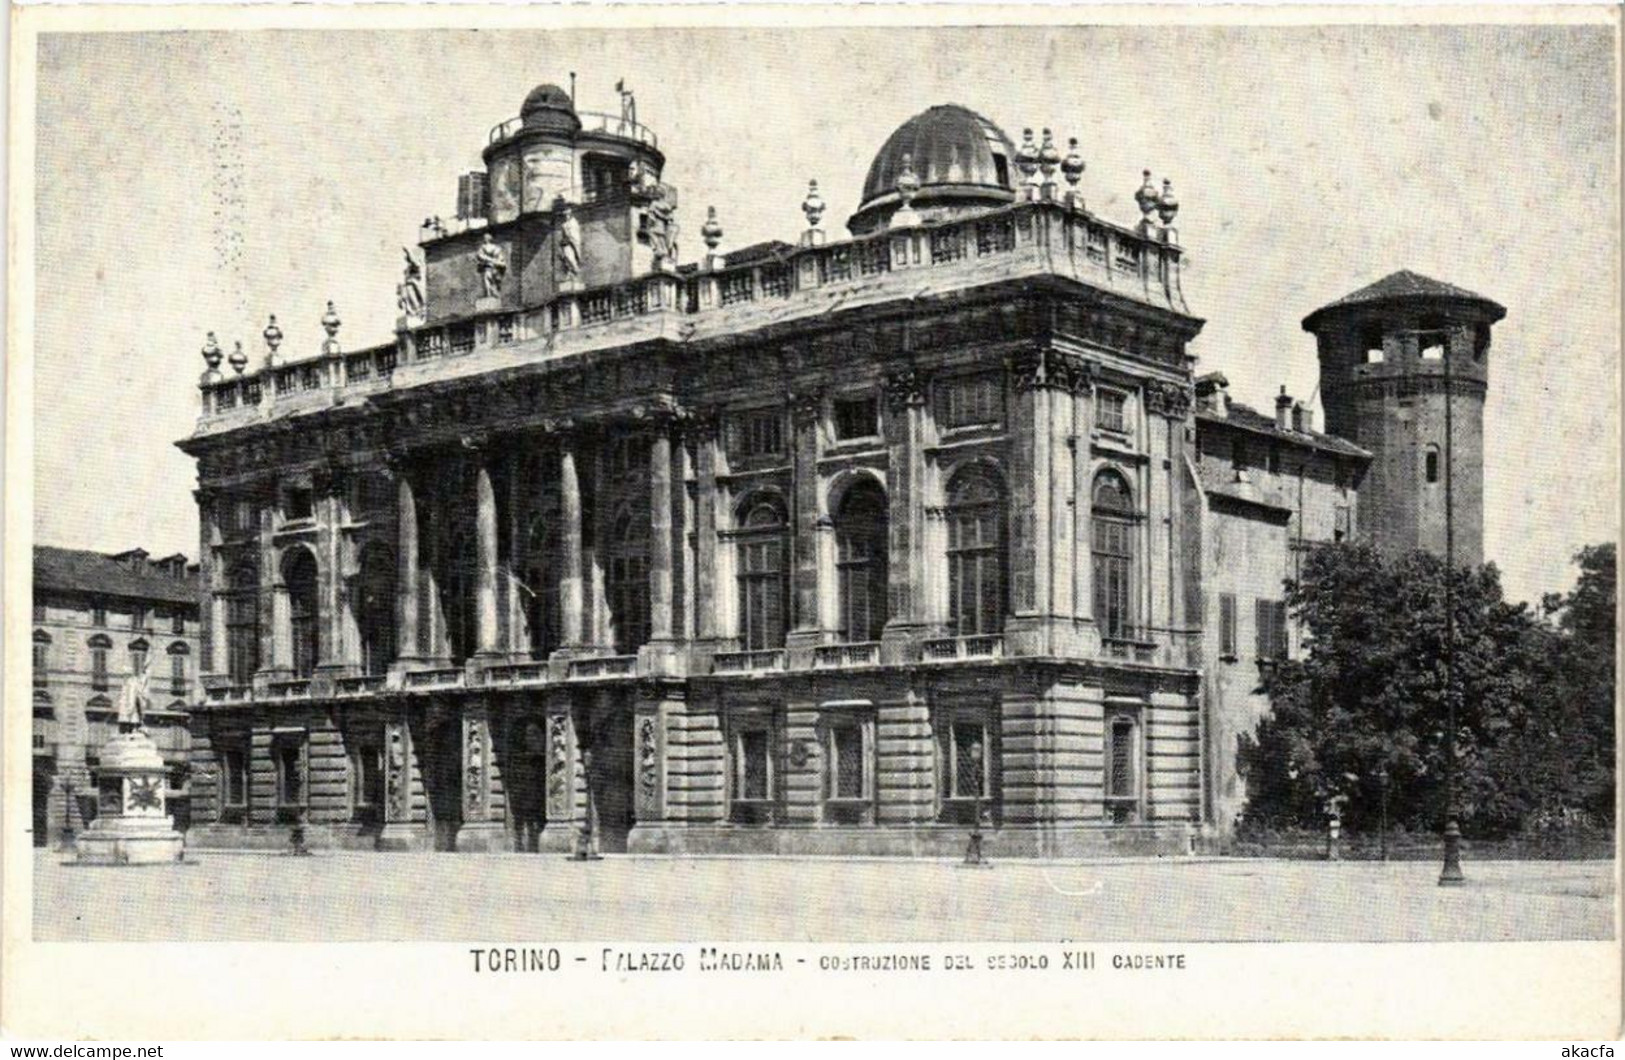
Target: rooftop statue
[409,295]
[492,264]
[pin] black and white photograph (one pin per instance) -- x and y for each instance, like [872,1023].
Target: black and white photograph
[738,500]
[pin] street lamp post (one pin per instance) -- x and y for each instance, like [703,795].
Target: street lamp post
[1450,875]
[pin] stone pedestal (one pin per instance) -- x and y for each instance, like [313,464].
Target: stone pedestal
[487,305]
[132,827]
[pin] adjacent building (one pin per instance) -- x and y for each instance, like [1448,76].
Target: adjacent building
[832,545]
[98,619]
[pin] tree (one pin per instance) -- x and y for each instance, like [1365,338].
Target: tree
[1579,700]
[1369,697]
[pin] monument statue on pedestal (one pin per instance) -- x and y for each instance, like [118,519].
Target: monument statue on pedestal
[132,827]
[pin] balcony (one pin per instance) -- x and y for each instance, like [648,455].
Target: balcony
[606,666]
[531,673]
[748,662]
[842,656]
[358,686]
[295,689]
[946,649]
[424,680]
[226,694]
[1013,245]
[1129,642]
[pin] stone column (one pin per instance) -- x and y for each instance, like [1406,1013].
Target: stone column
[333,646]
[487,629]
[905,443]
[570,584]
[806,411]
[660,551]
[212,575]
[1083,412]
[705,528]
[1030,629]
[407,644]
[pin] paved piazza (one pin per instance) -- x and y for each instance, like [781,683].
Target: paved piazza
[373,897]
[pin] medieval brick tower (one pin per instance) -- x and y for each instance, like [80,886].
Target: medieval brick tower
[1388,352]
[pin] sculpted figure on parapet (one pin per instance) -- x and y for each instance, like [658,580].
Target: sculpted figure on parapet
[492,264]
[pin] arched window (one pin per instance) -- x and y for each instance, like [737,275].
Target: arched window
[1114,519]
[138,657]
[178,676]
[762,575]
[299,576]
[860,561]
[629,583]
[540,590]
[100,645]
[375,610]
[242,624]
[976,596]
[42,658]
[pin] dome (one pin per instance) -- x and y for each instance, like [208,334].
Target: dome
[959,157]
[549,107]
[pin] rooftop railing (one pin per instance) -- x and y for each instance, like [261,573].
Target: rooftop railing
[1013,242]
[591,122]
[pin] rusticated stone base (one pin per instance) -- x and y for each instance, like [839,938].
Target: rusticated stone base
[926,841]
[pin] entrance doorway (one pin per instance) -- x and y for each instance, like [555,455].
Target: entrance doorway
[604,729]
[442,780]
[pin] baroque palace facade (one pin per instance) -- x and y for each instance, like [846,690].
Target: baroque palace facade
[836,546]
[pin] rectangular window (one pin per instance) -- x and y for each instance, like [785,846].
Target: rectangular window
[1227,625]
[1122,769]
[1340,528]
[972,401]
[1113,564]
[98,614]
[846,761]
[1271,629]
[42,663]
[1111,411]
[366,780]
[138,617]
[177,675]
[299,504]
[98,669]
[752,774]
[39,611]
[856,418]
[289,755]
[1238,454]
[761,433]
[233,778]
[138,661]
[177,622]
[967,760]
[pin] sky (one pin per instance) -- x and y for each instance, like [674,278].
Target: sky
[197,181]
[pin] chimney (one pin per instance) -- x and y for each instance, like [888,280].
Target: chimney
[1303,420]
[1283,410]
[1213,393]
